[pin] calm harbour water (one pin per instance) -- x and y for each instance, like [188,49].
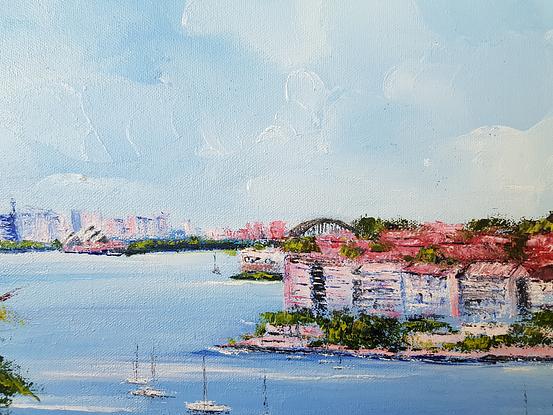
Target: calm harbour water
[85,314]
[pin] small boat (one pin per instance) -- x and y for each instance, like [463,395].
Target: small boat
[206,406]
[339,366]
[216,269]
[135,379]
[151,391]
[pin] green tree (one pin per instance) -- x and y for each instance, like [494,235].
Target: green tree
[301,245]
[351,251]
[367,227]
[11,381]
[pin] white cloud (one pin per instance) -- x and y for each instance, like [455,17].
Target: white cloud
[289,33]
[305,113]
[500,169]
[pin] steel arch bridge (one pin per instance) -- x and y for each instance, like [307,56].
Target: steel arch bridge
[321,226]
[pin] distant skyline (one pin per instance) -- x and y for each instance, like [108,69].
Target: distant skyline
[224,112]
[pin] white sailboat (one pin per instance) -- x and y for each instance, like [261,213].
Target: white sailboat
[151,391]
[265,403]
[206,406]
[216,269]
[135,379]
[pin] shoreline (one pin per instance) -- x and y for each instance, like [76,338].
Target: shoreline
[510,354]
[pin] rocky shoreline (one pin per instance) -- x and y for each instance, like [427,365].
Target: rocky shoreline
[506,354]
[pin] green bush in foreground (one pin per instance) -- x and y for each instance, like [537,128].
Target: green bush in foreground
[12,383]
[378,332]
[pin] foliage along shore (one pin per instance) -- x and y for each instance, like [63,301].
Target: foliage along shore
[531,338]
[175,245]
[28,246]
[257,276]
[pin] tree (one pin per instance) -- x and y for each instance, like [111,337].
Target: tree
[11,381]
[367,227]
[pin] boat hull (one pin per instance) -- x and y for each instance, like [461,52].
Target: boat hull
[207,407]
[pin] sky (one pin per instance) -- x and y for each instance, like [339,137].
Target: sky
[224,112]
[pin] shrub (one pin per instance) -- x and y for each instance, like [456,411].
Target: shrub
[432,255]
[543,319]
[380,247]
[474,344]
[301,245]
[429,255]
[490,224]
[288,318]
[426,325]
[367,227]
[260,329]
[351,251]
[397,224]
[365,331]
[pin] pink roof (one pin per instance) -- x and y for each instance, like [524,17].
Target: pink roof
[496,269]
[544,274]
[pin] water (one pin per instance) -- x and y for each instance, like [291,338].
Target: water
[85,314]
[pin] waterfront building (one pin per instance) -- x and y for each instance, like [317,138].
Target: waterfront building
[539,289]
[488,291]
[297,282]
[478,292]
[377,289]
[429,289]
[268,260]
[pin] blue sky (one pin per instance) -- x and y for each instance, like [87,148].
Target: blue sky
[227,111]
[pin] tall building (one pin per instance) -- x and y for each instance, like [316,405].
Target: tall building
[41,225]
[8,226]
[162,224]
[76,220]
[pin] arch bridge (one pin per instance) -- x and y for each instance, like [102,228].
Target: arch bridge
[321,226]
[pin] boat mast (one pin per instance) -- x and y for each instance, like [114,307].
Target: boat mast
[205,379]
[153,364]
[525,401]
[135,365]
[265,403]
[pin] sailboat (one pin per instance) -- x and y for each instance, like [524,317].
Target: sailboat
[135,379]
[206,406]
[265,403]
[339,366]
[150,391]
[216,269]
